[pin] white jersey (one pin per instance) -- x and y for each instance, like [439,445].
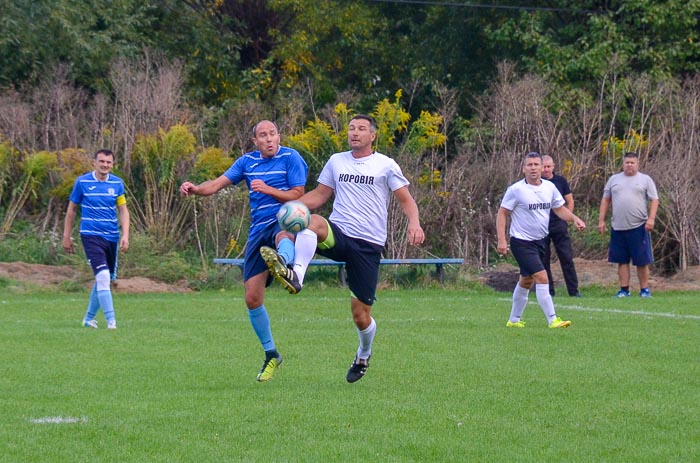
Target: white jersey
[530,206]
[362,191]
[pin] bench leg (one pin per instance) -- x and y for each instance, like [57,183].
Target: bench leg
[439,273]
[342,276]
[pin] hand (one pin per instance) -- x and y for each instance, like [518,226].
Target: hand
[649,226]
[502,248]
[580,224]
[187,189]
[259,186]
[601,227]
[68,245]
[416,235]
[124,243]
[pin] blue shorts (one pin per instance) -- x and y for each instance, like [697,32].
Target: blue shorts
[529,255]
[253,263]
[101,254]
[634,245]
[361,262]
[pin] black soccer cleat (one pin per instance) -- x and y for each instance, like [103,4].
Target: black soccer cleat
[357,369]
[279,270]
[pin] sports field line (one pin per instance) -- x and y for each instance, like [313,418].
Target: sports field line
[626,312]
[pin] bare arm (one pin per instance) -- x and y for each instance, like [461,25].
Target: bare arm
[416,235]
[604,205]
[501,220]
[569,202]
[566,214]
[653,207]
[207,188]
[317,197]
[68,228]
[280,195]
[124,220]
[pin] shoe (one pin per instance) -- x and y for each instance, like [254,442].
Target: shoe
[645,293]
[623,293]
[90,323]
[269,367]
[279,270]
[576,295]
[559,323]
[357,369]
[518,324]
[112,325]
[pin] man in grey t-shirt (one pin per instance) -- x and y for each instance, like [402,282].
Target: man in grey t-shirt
[634,202]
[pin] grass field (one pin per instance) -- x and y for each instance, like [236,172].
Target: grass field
[447,382]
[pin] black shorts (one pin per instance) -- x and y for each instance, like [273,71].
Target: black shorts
[361,261]
[529,254]
[101,254]
[634,244]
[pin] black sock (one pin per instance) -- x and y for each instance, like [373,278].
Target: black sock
[625,288]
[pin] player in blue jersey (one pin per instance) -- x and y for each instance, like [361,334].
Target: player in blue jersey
[100,195]
[273,174]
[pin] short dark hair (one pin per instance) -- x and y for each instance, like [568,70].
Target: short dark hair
[365,117]
[630,154]
[104,151]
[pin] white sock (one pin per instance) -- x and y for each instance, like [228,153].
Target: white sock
[545,301]
[304,250]
[520,295]
[366,337]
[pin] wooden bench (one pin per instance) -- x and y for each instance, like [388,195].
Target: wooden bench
[437,262]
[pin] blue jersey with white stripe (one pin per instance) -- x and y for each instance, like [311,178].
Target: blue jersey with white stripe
[284,171]
[98,205]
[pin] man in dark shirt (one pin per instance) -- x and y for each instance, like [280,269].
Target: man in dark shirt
[559,233]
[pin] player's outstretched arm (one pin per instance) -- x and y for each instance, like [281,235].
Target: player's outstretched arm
[207,188]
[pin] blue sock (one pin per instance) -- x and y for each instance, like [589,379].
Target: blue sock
[93,304]
[261,325]
[286,250]
[105,297]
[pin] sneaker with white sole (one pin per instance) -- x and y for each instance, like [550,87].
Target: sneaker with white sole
[90,323]
[112,325]
[357,369]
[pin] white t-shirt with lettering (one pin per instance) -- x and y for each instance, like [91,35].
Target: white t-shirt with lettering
[363,188]
[530,206]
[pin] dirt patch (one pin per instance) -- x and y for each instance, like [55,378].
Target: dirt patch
[55,275]
[593,272]
[502,277]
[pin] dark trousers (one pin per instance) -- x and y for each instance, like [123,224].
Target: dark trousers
[559,235]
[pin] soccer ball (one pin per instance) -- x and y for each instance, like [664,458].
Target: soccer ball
[293,216]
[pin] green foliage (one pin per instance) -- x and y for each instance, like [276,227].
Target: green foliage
[146,258]
[391,120]
[211,163]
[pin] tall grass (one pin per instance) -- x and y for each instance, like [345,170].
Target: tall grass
[447,382]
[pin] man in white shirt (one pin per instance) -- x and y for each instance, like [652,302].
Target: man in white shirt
[362,181]
[528,202]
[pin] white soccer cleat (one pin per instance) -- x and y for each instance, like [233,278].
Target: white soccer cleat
[90,323]
[112,325]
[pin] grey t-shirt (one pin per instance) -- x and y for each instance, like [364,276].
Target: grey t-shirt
[630,195]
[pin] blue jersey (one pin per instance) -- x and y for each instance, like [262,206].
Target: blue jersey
[284,171]
[98,204]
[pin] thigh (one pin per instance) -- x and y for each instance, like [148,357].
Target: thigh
[101,254]
[640,247]
[529,255]
[618,252]
[253,261]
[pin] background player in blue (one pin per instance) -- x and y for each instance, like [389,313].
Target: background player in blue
[274,175]
[102,208]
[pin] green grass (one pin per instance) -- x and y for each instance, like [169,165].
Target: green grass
[448,381]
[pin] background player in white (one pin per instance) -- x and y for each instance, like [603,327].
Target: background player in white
[103,208]
[274,174]
[362,181]
[528,202]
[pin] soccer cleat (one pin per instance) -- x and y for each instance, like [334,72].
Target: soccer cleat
[559,323]
[279,270]
[623,293]
[518,324]
[269,367]
[645,293]
[90,323]
[112,325]
[357,369]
